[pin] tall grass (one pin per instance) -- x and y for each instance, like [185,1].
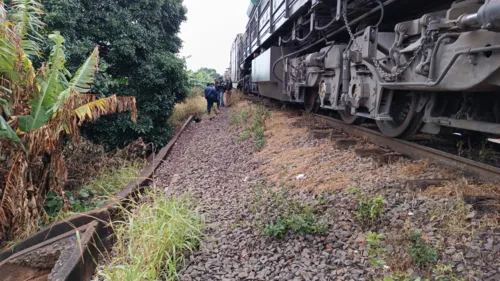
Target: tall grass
[195,105]
[151,240]
[115,179]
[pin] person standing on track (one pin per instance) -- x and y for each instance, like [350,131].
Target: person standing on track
[212,97]
[220,86]
[229,88]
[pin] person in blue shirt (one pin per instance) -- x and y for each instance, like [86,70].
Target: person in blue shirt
[211,95]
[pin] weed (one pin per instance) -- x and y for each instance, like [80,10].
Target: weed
[94,194]
[277,229]
[151,241]
[234,119]
[245,135]
[53,204]
[399,276]
[460,147]
[301,223]
[375,249]
[444,273]
[454,218]
[291,216]
[244,115]
[484,150]
[422,254]
[439,273]
[370,209]
[259,138]
[253,121]
[354,191]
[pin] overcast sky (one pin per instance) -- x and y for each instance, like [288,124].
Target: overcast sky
[210,30]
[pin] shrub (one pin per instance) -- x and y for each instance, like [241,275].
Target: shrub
[295,217]
[370,209]
[375,249]
[421,252]
[301,223]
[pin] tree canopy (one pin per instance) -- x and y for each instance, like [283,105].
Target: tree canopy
[138,42]
[202,76]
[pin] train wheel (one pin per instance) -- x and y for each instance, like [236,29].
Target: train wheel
[349,118]
[311,100]
[406,120]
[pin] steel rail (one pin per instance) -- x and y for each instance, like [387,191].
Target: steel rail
[475,169]
[80,262]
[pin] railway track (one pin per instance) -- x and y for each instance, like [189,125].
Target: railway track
[475,169]
[478,170]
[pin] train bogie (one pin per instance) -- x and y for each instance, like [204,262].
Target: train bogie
[436,70]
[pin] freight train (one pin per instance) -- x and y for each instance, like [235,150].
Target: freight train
[412,66]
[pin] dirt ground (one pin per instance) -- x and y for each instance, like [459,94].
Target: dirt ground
[244,194]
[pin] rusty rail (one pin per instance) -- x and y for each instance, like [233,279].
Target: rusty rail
[69,249]
[472,168]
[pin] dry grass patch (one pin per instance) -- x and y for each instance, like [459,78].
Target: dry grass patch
[415,169]
[464,188]
[457,217]
[287,155]
[236,97]
[196,106]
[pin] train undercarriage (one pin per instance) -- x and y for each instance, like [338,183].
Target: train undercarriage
[437,73]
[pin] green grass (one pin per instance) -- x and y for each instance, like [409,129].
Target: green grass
[292,216]
[253,120]
[301,223]
[245,135]
[152,239]
[94,194]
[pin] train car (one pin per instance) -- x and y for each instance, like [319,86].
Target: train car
[428,66]
[234,66]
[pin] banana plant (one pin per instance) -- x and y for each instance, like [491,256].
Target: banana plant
[26,16]
[51,84]
[36,111]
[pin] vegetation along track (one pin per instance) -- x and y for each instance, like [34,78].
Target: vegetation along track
[70,249]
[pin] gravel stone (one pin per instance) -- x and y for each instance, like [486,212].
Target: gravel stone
[222,174]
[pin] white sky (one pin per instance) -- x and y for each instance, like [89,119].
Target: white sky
[210,30]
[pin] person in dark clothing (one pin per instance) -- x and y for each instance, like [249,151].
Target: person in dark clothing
[212,97]
[220,85]
[229,88]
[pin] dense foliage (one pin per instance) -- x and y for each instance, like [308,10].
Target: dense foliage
[40,107]
[200,78]
[138,43]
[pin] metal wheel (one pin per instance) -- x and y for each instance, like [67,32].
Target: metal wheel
[311,100]
[406,120]
[349,118]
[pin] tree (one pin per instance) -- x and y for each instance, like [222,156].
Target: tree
[39,108]
[200,78]
[138,43]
